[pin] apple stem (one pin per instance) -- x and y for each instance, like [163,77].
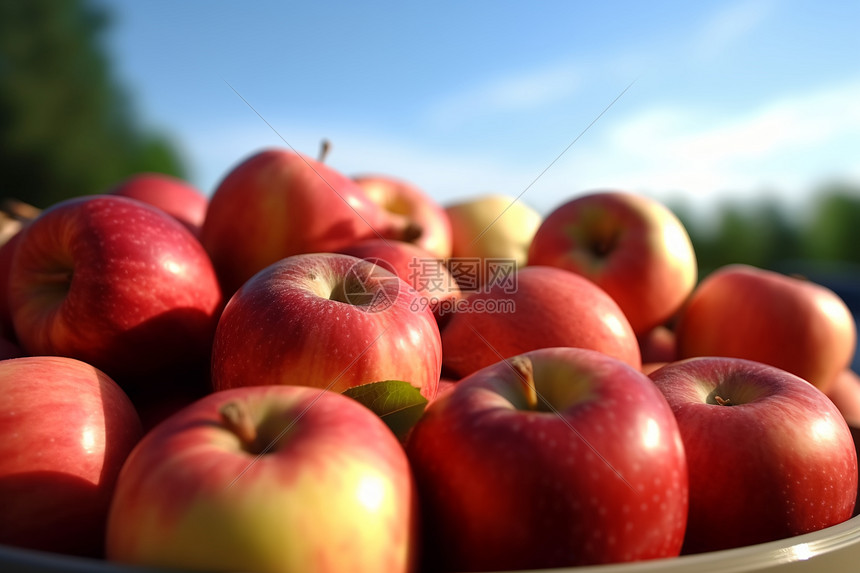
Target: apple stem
[723,401]
[325,148]
[524,368]
[400,228]
[19,210]
[236,418]
[604,245]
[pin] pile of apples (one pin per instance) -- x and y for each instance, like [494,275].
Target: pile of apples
[307,371]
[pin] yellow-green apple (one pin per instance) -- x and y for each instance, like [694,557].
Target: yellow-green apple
[758,314]
[277,203]
[630,245]
[329,320]
[769,455]
[425,222]
[270,479]
[173,195]
[116,283]
[543,307]
[67,429]
[427,275]
[554,458]
[492,226]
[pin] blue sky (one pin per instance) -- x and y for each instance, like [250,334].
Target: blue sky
[462,98]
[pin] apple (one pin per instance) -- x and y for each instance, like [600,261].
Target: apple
[427,275]
[649,367]
[427,224]
[658,345]
[557,457]
[9,226]
[769,455]
[542,307]
[845,394]
[7,251]
[632,246]
[172,195]
[9,349]
[492,226]
[14,216]
[115,283]
[445,386]
[67,429]
[267,478]
[855,435]
[277,203]
[328,320]
[794,324]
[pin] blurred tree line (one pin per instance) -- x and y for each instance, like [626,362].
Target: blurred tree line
[766,234]
[66,127]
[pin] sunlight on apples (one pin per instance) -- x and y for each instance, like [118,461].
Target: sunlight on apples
[823,430]
[172,266]
[833,308]
[677,242]
[371,492]
[616,326]
[88,440]
[651,437]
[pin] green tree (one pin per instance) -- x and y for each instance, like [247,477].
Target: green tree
[66,126]
[759,233]
[833,231]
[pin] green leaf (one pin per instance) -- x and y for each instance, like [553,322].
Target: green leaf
[398,403]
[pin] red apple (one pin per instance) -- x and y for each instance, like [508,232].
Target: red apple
[277,203]
[267,478]
[658,345]
[116,283]
[757,314]
[769,455]
[67,429]
[170,194]
[426,223]
[541,307]
[329,320]
[426,274]
[558,457]
[845,393]
[855,435]
[14,216]
[7,251]
[649,367]
[9,349]
[632,246]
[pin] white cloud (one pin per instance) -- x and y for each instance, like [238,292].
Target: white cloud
[790,144]
[512,93]
[729,25]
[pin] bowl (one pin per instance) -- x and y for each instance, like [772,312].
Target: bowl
[831,550]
